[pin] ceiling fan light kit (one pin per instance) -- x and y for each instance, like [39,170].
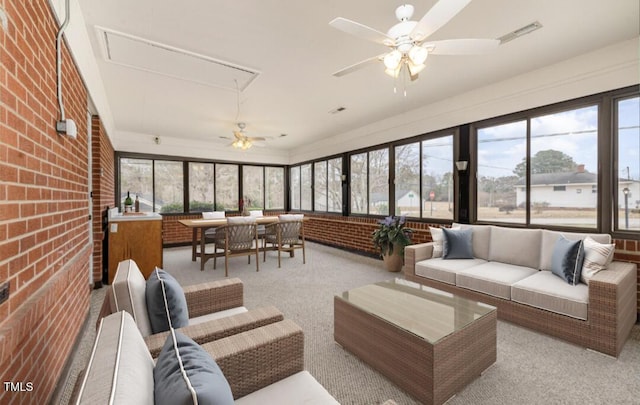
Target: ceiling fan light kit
[409,51]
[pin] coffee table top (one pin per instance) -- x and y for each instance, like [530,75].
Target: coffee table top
[429,313]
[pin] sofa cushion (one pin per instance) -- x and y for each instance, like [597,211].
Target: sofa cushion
[597,257]
[566,259]
[217,315]
[457,244]
[549,239]
[299,388]
[166,303]
[520,247]
[493,278]
[108,379]
[480,240]
[444,270]
[186,374]
[128,290]
[213,215]
[546,291]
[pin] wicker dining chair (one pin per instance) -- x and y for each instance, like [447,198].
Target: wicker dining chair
[285,236]
[238,238]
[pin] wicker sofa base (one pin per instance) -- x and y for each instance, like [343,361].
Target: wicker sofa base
[603,332]
[432,373]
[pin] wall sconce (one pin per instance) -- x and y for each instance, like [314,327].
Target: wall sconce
[462,165]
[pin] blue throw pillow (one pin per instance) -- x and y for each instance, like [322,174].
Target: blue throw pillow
[567,258]
[165,295]
[457,243]
[186,374]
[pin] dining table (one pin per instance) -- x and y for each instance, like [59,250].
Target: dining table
[200,226]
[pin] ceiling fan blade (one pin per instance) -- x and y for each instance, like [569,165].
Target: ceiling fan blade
[239,135]
[359,65]
[361,31]
[256,138]
[436,17]
[461,46]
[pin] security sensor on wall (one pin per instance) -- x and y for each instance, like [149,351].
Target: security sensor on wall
[462,165]
[67,127]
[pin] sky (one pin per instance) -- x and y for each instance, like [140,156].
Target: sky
[574,132]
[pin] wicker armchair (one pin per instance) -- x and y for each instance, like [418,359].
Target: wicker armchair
[263,365]
[215,308]
[285,236]
[238,238]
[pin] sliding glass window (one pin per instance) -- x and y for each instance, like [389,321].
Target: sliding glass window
[334,185]
[627,133]
[200,187]
[305,187]
[294,173]
[227,187]
[369,182]
[437,177]
[320,186]
[407,179]
[168,186]
[136,178]
[253,187]
[274,192]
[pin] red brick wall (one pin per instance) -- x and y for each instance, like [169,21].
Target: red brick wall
[103,188]
[44,231]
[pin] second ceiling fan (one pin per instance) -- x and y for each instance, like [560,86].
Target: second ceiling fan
[407,39]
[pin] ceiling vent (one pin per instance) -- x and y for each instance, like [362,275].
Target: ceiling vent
[149,56]
[527,29]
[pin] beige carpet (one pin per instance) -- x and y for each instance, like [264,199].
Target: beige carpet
[530,369]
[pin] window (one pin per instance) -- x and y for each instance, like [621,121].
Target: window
[295,187]
[320,185]
[407,179]
[358,184]
[253,187]
[379,182]
[369,182]
[168,186]
[437,177]
[627,132]
[501,173]
[334,185]
[136,177]
[564,156]
[227,187]
[200,187]
[274,192]
[305,187]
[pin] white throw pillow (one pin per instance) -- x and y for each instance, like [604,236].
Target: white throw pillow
[597,256]
[438,238]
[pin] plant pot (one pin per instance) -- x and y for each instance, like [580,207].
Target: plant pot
[393,262]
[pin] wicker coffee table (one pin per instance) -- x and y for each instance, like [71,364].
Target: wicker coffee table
[429,342]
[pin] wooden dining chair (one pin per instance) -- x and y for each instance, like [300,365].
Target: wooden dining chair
[238,238]
[286,235]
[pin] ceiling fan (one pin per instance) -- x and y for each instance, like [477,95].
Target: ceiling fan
[242,141]
[407,39]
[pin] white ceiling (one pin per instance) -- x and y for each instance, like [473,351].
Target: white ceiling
[295,51]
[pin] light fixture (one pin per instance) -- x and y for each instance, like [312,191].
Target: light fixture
[461,165]
[418,55]
[243,144]
[392,59]
[412,58]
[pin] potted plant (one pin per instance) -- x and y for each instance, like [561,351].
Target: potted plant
[390,238]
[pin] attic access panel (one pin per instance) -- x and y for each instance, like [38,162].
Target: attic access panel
[150,56]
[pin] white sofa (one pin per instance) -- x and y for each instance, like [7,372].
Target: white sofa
[511,269]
